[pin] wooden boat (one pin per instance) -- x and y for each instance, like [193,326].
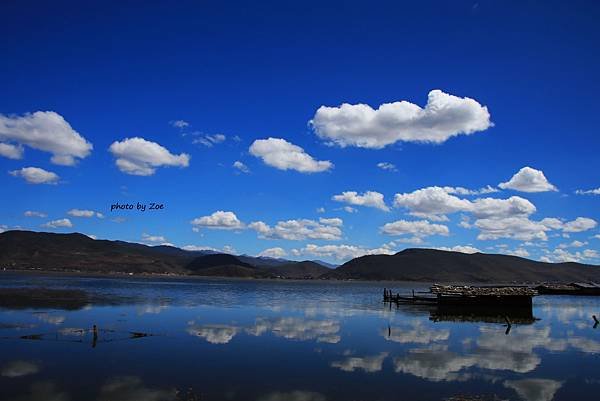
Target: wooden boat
[589,289]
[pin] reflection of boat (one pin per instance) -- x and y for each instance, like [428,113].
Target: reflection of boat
[485,314]
[569,289]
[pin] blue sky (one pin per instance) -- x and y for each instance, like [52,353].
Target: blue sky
[203,85]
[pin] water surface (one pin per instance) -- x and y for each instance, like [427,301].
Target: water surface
[282,340]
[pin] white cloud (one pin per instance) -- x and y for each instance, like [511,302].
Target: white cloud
[579,224]
[153,238]
[33,213]
[595,191]
[241,166]
[431,202]
[137,156]
[320,210]
[210,140]
[520,228]
[435,202]
[284,155]
[369,198]
[522,252]
[528,180]
[418,228]
[334,221]
[273,253]
[465,191]
[36,175]
[46,131]
[84,213]
[14,152]
[573,244]
[219,220]
[511,207]
[561,255]
[387,166]
[296,230]
[58,223]
[179,124]
[199,248]
[460,248]
[343,252]
[360,125]
[349,209]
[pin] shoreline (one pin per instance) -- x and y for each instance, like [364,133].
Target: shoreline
[123,275]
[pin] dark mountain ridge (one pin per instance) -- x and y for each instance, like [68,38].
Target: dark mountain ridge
[429,265]
[27,250]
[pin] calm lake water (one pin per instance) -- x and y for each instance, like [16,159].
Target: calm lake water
[279,340]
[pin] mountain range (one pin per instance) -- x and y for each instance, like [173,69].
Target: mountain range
[28,250]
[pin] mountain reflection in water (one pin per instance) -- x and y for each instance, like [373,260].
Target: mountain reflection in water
[293,341]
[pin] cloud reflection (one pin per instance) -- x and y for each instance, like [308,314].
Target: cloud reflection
[534,389]
[131,388]
[369,364]
[19,368]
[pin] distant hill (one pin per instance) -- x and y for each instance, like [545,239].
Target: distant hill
[219,259]
[80,253]
[429,265]
[323,263]
[306,269]
[49,251]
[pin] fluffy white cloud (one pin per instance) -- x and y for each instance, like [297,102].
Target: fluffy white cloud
[595,191]
[137,156]
[460,248]
[296,230]
[528,180]
[84,213]
[33,213]
[369,198]
[431,202]
[342,252]
[492,207]
[284,155]
[579,224]
[349,209]
[240,166]
[418,228]
[219,220]
[36,175]
[387,166]
[46,131]
[334,221]
[360,125]
[435,202]
[573,244]
[522,252]
[11,151]
[58,223]
[520,228]
[560,255]
[276,252]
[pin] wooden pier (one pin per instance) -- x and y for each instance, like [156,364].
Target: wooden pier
[453,295]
